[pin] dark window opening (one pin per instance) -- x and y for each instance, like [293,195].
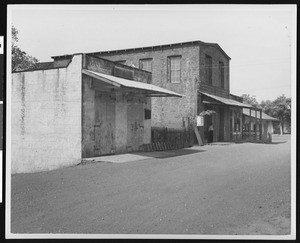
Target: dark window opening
[147,114]
[221,70]
[208,69]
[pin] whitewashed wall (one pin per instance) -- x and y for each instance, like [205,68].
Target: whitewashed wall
[46,118]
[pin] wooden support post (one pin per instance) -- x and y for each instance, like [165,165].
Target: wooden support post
[256,123]
[260,125]
[241,125]
[250,121]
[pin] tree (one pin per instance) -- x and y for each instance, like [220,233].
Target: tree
[20,59]
[282,109]
[267,107]
[250,100]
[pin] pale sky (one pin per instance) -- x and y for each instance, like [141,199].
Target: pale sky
[260,39]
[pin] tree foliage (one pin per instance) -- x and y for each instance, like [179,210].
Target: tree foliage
[282,108]
[267,107]
[250,100]
[279,108]
[20,59]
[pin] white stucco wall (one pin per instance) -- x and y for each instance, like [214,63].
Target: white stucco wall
[270,127]
[46,118]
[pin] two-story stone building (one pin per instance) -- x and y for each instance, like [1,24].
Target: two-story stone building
[199,71]
[76,107]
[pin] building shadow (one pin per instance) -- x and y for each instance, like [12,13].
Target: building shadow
[278,142]
[169,153]
[262,142]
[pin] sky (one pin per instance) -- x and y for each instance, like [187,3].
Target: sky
[260,39]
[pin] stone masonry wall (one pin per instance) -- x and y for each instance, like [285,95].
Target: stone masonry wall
[215,89]
[217,56]
[168,111]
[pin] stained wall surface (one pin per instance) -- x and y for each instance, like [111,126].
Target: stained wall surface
[46,118]
[112,122]
[168,111]
[171,112]
[221,119]
[217,57]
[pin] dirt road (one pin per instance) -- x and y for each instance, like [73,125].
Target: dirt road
[218,189]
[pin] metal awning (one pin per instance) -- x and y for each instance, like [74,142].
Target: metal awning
[227,101]
[123,84]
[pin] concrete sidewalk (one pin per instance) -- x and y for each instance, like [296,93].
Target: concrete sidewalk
[122,158]
[119,158]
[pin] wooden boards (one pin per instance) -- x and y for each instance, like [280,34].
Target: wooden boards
[200,142]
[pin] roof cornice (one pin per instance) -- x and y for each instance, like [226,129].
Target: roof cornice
[157,47]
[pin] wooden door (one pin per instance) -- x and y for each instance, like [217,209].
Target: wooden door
[135,124]
[104,128]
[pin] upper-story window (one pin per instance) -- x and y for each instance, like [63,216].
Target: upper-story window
[208,69]
[174,69]
[146,64]
[221,72]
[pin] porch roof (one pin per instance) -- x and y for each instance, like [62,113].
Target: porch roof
[123,84]
[264,116]
[227,101]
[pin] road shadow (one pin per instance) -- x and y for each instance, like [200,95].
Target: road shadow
[170,153]
[261,142]
[278,142]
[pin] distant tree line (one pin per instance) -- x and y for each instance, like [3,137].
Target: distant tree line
[279,108]
[20,59]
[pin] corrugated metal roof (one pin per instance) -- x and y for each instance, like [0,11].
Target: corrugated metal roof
[151,89]
[264,116]
[227,101]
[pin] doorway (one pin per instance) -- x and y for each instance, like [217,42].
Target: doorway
[104,127]
[221,127]
[207,122]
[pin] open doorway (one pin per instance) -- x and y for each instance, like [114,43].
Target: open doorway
[207,121]
[221,127]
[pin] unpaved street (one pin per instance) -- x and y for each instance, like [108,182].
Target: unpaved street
[218,189]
